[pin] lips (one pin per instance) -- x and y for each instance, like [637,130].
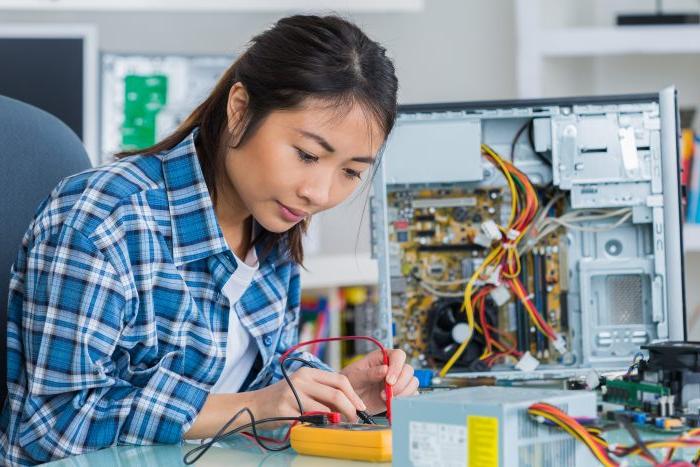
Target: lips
[291,214]
[296,212]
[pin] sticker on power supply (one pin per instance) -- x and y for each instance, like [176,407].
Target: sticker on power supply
[483,438]
[437,444]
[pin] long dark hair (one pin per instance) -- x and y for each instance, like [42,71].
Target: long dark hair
[302,56]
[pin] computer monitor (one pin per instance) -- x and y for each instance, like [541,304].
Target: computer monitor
[54,67]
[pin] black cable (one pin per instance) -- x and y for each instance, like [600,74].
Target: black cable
[529,126]
[222,434]
[517,136]
[627,425]
[365,417]
[289,382]
[635,363]
[314,419]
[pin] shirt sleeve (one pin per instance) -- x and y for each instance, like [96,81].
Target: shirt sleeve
[289,335]
[75,305]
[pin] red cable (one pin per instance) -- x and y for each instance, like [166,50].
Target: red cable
[520,290]
[320,323]
[385,357]
[484,324]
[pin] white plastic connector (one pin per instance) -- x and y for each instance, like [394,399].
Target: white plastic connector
[500,295]
[493,275]
[560,344]
[483,240]
[491,230]
[527,362]
[513,234]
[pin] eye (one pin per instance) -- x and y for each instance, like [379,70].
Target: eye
[352,174]
[305,157]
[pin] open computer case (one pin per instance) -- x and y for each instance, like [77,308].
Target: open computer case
[557,220]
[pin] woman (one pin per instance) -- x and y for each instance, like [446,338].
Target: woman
[152,297]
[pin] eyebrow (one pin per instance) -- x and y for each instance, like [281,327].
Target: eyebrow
[327,146]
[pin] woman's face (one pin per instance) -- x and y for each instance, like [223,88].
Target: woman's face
[298,162]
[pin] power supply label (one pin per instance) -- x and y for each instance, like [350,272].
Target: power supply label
[483,441]
[437,445]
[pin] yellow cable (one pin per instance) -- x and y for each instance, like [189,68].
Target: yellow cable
[509,179]
[493,255]
[573,432]
[663,444]
[467,306]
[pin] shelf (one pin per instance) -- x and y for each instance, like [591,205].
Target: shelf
[601,41]
[535,44]
[212,5]
[338,270]
[691,238]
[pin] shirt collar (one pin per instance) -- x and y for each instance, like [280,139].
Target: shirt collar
[195,229]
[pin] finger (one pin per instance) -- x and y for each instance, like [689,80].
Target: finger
[376,373]
[341,383]
[403,380]
[333,398]
[312,405]
[411,388]
[376,357]
[397,358]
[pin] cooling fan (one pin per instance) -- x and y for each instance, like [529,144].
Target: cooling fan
[447,329]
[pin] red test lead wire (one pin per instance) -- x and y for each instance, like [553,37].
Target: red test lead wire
[385,357]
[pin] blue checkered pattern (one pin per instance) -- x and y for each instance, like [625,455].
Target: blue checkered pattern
[117,323]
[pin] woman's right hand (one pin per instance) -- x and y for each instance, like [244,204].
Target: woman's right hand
[318,390]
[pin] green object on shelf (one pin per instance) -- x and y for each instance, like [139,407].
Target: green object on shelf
[144,97]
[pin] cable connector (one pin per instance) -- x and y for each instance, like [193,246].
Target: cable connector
[490,229]
[527,362]
[493,275]
[483,240]
[500,295]
[320,418]
[560,344]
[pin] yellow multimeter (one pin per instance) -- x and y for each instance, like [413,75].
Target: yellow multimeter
[343,441]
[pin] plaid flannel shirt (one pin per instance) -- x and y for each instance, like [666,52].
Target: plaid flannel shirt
[117,321]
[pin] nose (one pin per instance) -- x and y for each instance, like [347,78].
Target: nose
[316,189]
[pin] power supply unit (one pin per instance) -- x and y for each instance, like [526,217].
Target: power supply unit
[487,426]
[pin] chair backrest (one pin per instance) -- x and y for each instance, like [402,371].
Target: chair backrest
[37,150]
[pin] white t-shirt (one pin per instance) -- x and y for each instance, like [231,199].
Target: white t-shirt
[241,348]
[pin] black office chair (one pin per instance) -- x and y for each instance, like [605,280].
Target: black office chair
[36,151]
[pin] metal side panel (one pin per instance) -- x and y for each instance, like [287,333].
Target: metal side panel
[675,287]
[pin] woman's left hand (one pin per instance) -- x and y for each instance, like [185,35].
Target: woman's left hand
[369,374]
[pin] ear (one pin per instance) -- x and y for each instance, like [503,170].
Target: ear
[236,109]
